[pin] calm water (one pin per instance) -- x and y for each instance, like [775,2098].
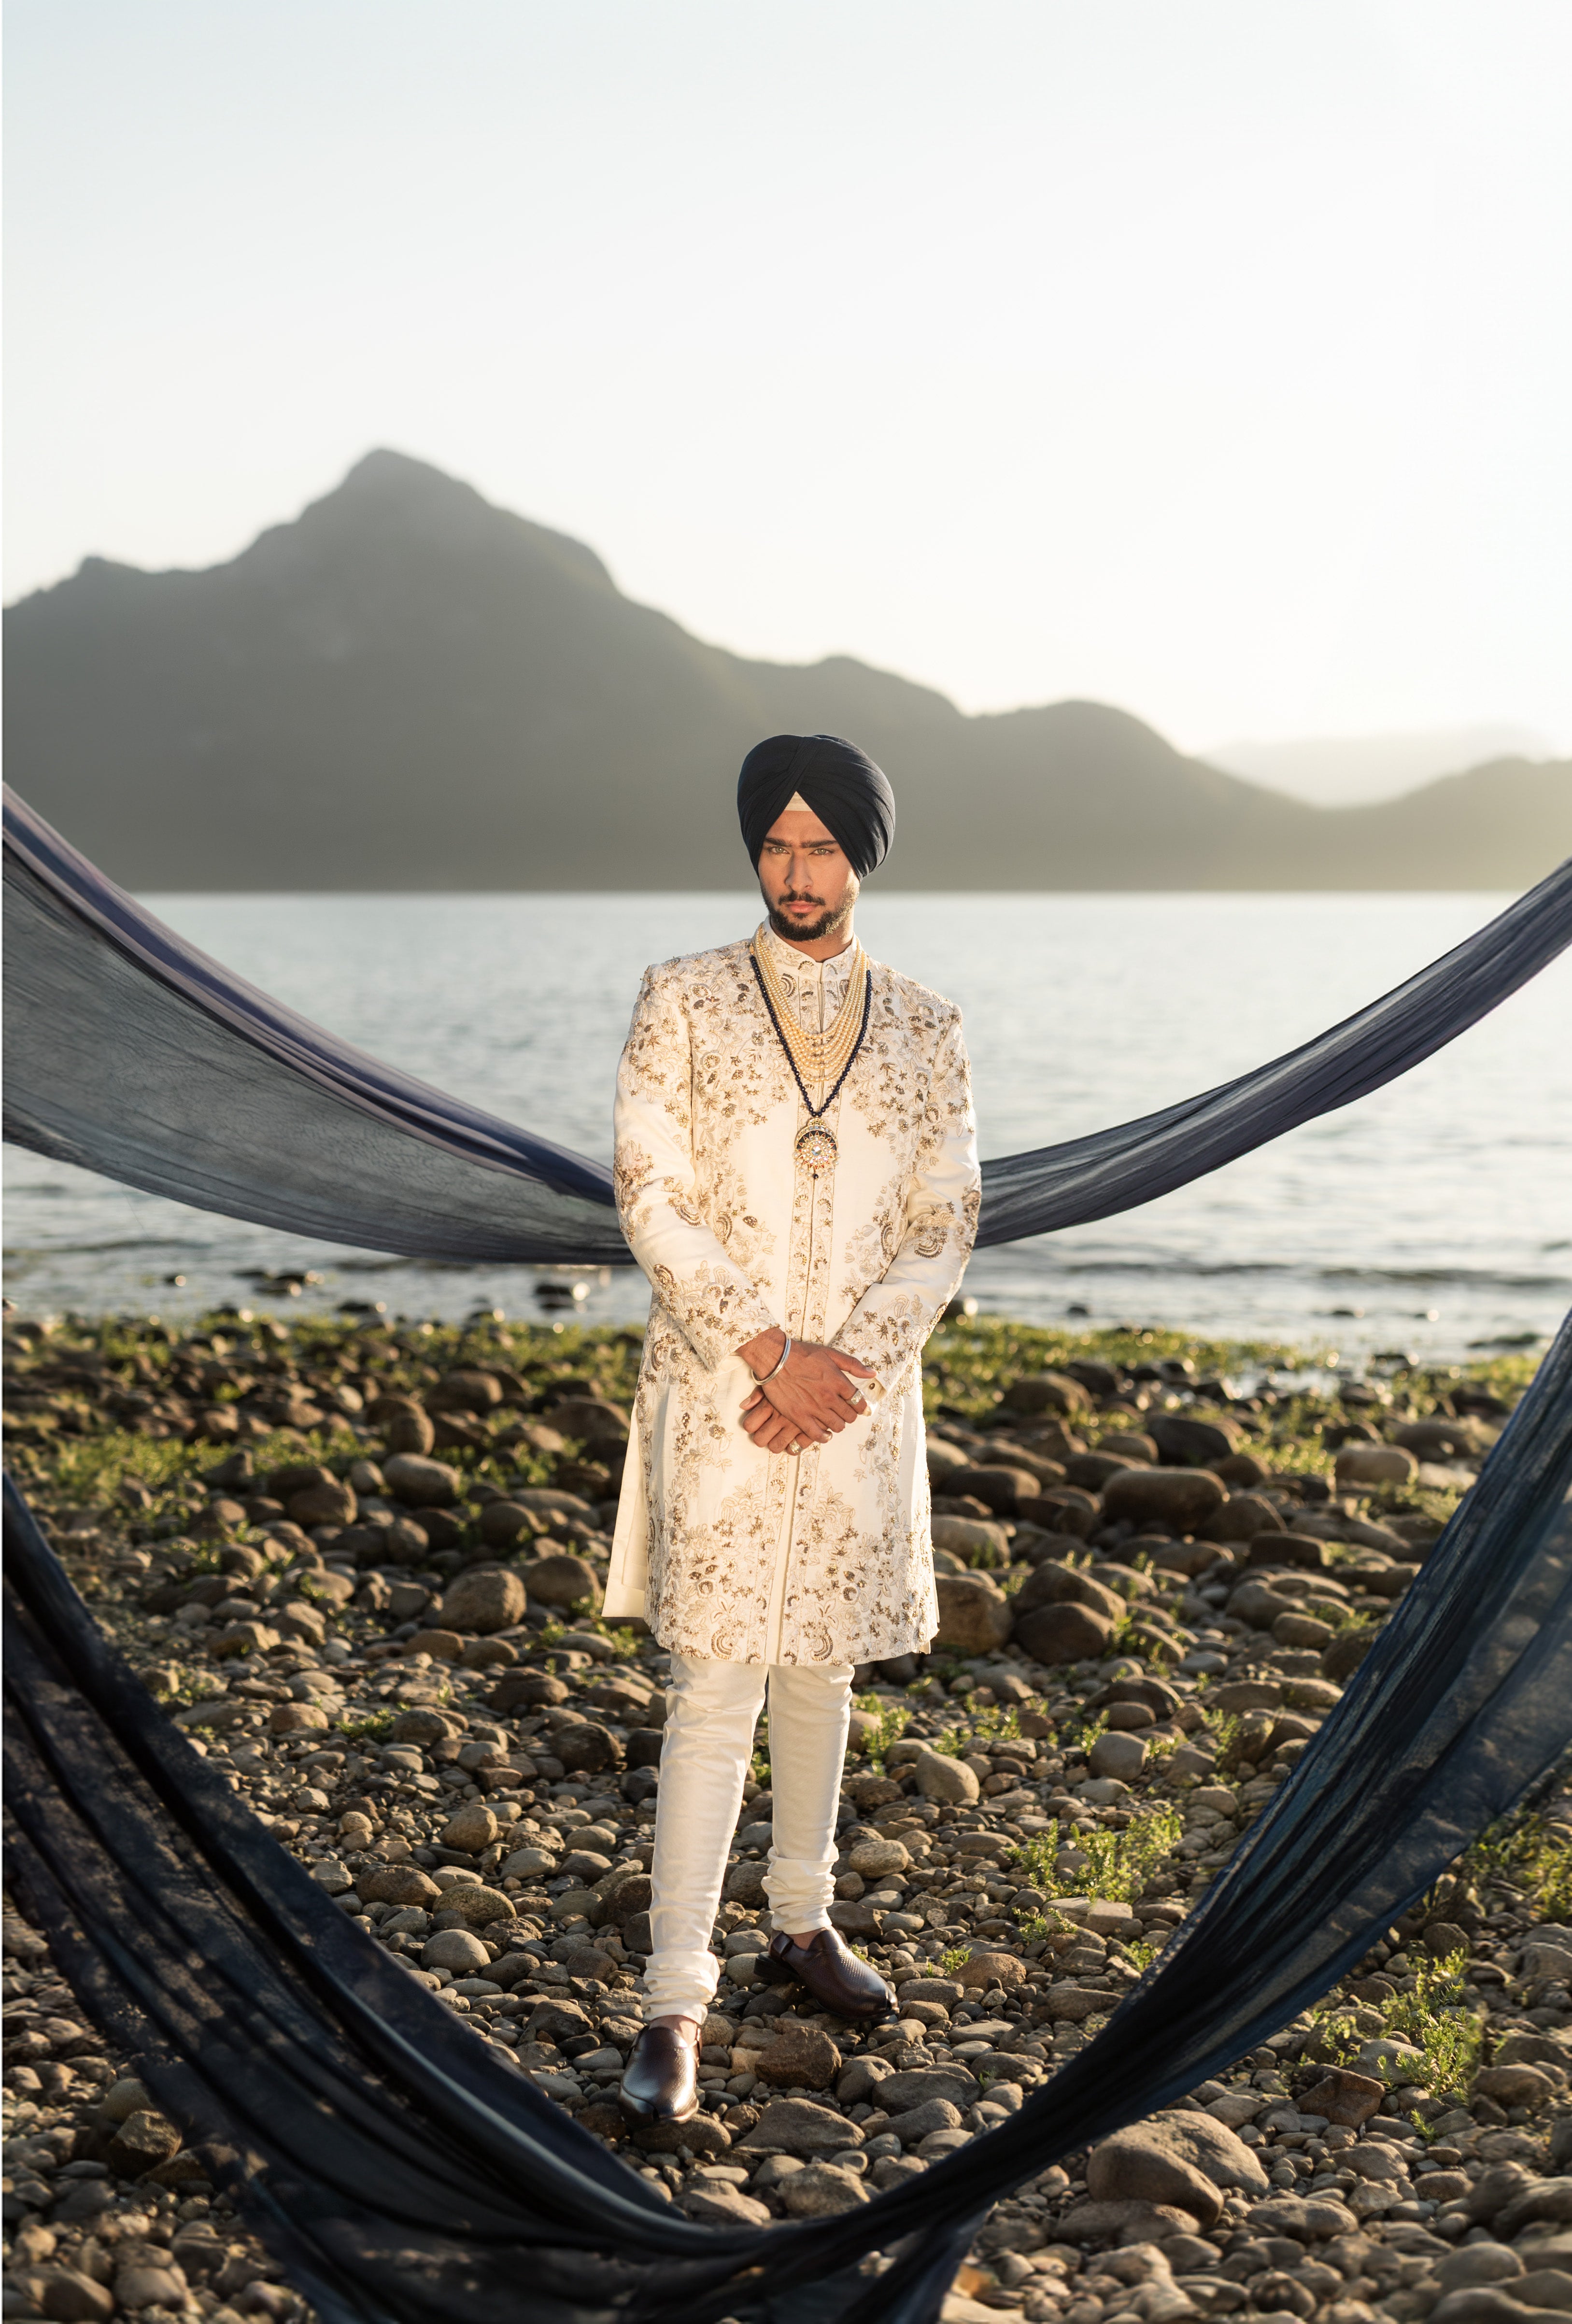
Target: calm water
[1434,1215]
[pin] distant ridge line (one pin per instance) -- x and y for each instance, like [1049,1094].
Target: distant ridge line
[406,687]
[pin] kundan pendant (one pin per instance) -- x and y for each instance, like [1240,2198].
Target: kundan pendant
[815,1148]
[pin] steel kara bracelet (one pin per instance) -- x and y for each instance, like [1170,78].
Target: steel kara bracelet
[761,1379]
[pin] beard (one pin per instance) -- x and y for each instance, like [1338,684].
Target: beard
[827,921]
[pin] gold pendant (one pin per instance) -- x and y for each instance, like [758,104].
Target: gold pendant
[817,1150]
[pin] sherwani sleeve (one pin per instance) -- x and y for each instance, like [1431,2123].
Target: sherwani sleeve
[706,1293]
[890,1323]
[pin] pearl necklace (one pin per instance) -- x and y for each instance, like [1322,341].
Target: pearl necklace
[820,1057]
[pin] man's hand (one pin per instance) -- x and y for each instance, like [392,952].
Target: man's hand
[811,1398]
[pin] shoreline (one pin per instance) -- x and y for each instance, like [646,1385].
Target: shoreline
[358,1562]
[331,1287]
[1436,1193]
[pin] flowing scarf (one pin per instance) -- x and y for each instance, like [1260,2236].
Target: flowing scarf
[132,1053]
[393,2165]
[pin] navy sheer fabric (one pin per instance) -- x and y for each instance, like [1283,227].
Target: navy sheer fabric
[398,2170]
[132,1053]
[396,2167]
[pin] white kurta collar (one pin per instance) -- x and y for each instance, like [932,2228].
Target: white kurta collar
[816,988]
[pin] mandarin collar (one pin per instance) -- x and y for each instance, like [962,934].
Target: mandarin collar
[800,963]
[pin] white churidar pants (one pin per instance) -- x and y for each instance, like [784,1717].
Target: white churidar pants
[712,1709]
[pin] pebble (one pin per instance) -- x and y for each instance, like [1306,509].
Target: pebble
[471,1832]
[724,2205]
[819,2190]
[975,1617]
[484,1599]
[989,1968]
[1118,1753]
[1488,2303]
[1513,2085]
[421,1483]
[803,2127]
[870,1858]
[1065,1632]
[398,1884]
[151,2287]
[1375,1464]
[560,1581]
[67,2296]
[1484,2263]
[969,1537]
[480,1907]
[144,2139]
[941,1777]
[1150,2163]
[915,2125]
[921,2085]
[455,1949]
[797,2056]
[1179,1496]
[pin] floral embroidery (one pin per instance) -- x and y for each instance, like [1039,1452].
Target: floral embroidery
[735,1238]
[631,1170]
[931,1234]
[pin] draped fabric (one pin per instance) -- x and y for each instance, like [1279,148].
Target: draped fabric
[132,1053]
[1118,1169]
[397,2168]
[398,2171]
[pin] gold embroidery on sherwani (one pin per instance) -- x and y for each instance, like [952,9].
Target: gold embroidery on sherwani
[735,1236]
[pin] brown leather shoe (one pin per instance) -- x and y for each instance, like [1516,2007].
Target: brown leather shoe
[830,1970]
[660,2082]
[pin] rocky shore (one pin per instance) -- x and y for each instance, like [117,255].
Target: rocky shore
[360,1564]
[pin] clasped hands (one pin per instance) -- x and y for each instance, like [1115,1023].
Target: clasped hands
[812,1397]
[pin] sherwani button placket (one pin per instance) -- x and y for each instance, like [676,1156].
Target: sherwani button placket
[818,989]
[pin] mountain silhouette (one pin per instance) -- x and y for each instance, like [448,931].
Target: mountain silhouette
[409,688]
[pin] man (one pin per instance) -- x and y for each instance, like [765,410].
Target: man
[796,1175]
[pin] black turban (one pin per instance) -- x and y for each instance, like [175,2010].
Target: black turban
[848,792]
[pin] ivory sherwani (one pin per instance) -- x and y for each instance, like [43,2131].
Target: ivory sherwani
[733,1555]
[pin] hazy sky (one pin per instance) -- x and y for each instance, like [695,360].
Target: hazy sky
[1211,358]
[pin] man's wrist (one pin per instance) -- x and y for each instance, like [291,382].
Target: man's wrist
[764,1354]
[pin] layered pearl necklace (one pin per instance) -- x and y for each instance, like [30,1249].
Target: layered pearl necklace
[819,1058]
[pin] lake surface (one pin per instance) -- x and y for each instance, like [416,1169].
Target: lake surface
[1435,1215]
